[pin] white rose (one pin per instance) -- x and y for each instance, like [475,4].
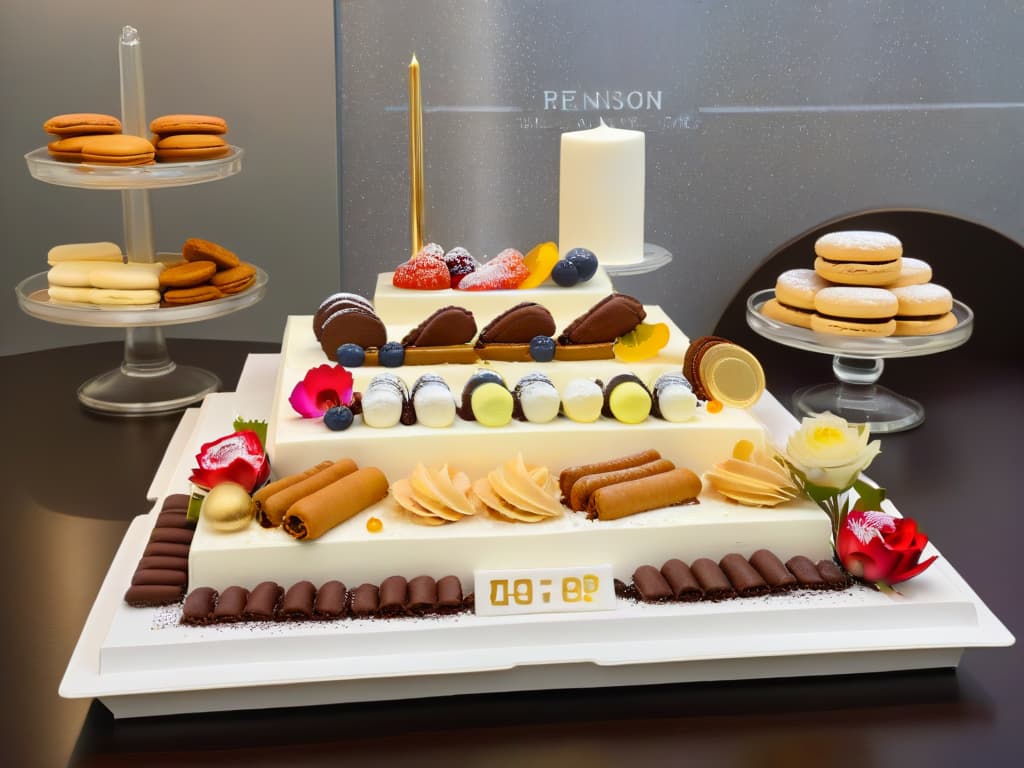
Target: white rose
[831,452]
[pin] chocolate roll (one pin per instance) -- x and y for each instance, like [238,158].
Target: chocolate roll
[172,535]
[422,595]
[682,582]
[834,576]
[275,507]
[744,577]
[650,585]
[365,601]
[297,604]
[449,595]
[175,501]
[163,563]
[393,596]
[268,490]
[667,489]
[262,602]
[569,476]
[773,571]
[712,580]
[447,326]
[331,601]
[166,549]
[231,605]
[311,517]
[585,487]
[199,605]
[806,572]
[152,595]
[173,520]
[154,576]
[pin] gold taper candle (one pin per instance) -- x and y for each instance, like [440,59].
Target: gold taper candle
[416,207]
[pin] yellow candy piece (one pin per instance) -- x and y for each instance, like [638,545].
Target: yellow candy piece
[629,403]
[643,342]
[540,261]
[743,450]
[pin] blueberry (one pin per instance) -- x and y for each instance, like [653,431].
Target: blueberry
[338,418]
[351,355]
[585,262]
[565,273]
[391,355]
[542,349]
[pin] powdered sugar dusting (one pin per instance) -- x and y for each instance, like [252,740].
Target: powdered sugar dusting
[832,300]
[924,292]
[858,240]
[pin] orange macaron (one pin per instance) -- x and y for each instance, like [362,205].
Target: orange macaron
[81,123]
[117,149]
[190,146]
[169,124]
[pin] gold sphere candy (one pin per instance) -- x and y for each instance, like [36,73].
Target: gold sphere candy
[227,508]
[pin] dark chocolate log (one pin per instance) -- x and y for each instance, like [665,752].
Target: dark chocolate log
[176,501]
[154,576]
[172,535]
[834,576]
[744,577]
[166,549]
[712,580]
[262,602]
[231,605]
[682,581]
[297,604]
[651,585]
[331,601]
[150,595]
[393,596]
[806,573]
[174,520]
[449,595]
[365,601]
[773,571]
[163,562]
[199,605]
[422,595]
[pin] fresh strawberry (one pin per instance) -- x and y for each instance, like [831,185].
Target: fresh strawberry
[425,273]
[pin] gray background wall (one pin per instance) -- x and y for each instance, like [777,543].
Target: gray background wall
[775,116]
[265,66]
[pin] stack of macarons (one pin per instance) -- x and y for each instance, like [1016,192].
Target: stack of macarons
[96,273]
[189,138]
[862,285]
[209,271]
[87,137]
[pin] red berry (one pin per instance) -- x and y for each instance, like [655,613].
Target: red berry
[460,263]
[425,273]
[430,249]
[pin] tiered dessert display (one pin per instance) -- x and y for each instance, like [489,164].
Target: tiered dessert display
[147,381]
[528,494]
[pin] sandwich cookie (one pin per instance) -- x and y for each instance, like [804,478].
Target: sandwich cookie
[234,279]
[81,123]
[188,275]
[858,258]
[333,303]
[855,311]
[923,310]
[114,275]
[179,297]
[794,297]
[912,272]
[103,296]
[117,149]
[68,149]
[169,124]
[197,249]
[84,252]
[190,146]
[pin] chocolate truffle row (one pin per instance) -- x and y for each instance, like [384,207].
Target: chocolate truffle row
[161,576]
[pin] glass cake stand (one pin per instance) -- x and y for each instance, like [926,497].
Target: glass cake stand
[858,364]
[654,257]
[147,381]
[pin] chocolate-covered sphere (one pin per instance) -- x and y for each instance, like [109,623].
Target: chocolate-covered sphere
[227,508]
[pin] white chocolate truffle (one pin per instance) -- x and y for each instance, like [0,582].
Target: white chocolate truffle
[433,402]
[582,400]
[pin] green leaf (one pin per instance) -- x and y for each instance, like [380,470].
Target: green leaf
[869,498]
[820,493]
[257,426]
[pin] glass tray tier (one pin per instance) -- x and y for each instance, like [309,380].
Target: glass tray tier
[32,298]
[655,257]
[848,346]
[158,176]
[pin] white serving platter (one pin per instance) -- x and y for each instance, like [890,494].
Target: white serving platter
[140,662]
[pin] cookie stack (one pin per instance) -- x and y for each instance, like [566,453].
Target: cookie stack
[209,271]
[189,138]
[861,285]
[87,137]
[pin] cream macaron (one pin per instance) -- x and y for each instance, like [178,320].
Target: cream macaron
[858,257]
[795,290]
[924,310]
[855,311]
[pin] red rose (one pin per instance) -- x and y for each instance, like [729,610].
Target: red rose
[238,457]
[881,548]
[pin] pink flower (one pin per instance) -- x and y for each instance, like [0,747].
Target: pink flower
[238,457]
[881,548]
[322,388]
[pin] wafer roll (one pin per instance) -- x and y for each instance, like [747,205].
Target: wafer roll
[276,506]
[677,486]
[311,517]
[148,595]
[806,572]
[260,497]
[365,601]
[198,608]
[297,603]
[231,605]
[422,595]
[449,595]
[712,580]
[569,476]
[583,488]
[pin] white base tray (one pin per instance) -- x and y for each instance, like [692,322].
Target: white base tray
[140,663]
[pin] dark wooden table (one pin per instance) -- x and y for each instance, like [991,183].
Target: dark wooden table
[77,479]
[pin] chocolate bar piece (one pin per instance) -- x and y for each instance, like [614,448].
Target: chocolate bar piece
[154,576]
[449,595]
[773,571]
[393,596]
[712,580]
[682,582]
[744,577]
[422,595]
[297,604]
[331,601]
[365,601]
[651,585]
[150,595]
[173,520]
[806,573]
[834,576]
[199,605]
[231,605]
[166,549]
[163,562]
[175,501]
[172,535]
[262,602]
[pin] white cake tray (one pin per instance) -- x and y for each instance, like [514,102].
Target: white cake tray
[139,662]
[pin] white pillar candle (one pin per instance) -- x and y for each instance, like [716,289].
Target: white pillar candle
[601,194]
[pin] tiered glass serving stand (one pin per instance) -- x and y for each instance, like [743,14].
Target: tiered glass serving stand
[654,257]
[147,381]
[857,364]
